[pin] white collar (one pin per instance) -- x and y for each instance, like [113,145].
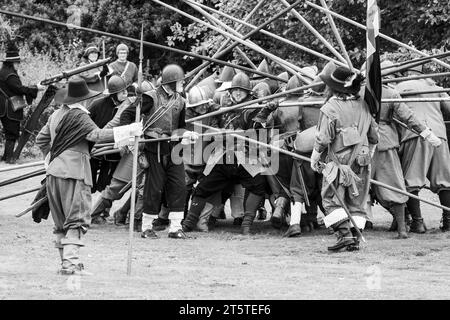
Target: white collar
[78,106]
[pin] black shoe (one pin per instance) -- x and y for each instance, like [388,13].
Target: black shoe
[178,235]
[276,222]
[293,231]
[120,218]
[369,225]
[98,220]
[262,214]
[237,221]
[150,234]
[160,224]
[418,226]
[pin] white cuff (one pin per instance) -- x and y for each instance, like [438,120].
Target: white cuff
[335,217]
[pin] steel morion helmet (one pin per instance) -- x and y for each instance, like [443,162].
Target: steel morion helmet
[172,73]
[241,81]
[116,84]
[198,95]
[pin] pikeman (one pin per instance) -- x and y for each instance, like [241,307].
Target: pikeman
[64,142]
[165,118]
[224,82]
[12,102]
[386,166]
[346,133]
[226,166]
[93,77]
[199,102]
[102,111]
[422,161]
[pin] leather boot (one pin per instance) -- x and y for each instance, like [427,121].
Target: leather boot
[398,211]
[293,231]
[281,204]
[355,245]
[138,225]
[8,155]
[417,224]
[101,205]
[344,235]
[247,222]
[120,216]
[71,264]
[202,224]
[197,205]
[444,197]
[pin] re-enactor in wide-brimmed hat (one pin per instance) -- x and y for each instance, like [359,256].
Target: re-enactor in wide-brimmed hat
[14,97]
[347,135]
[64,142]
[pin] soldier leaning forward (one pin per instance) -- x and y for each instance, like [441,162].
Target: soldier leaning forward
[231,165]
[421,161]
[386,166]
[347,133]
[12,101]
[64,141]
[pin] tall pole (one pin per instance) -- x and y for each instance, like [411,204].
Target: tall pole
[104,57]
[338,36]
[135,156]
[270,34]
[286,65]
[359,25]
[314,31]
[146,43]
[198,72]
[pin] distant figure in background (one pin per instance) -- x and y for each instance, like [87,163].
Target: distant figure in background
[93,77]
[12,102]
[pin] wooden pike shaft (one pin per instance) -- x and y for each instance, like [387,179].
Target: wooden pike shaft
[16,194]
[22,166]
[272,35]
[283,63]
[314,31]
[423,59]
[146,43]
[423,76]
[413,93]
[300,157]
[25,176]
[198,72]
[359,25]
[322,102]
[337,35]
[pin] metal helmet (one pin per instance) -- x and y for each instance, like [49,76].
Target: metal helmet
[293,83]
[198,95]
[261,89]
[147,86]
[172,73]
[263,67]
[116,84]
[310,72]
[284,75]
[227,74]
[241,81]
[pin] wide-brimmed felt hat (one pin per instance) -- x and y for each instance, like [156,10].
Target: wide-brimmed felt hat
[343,80]
[77,91]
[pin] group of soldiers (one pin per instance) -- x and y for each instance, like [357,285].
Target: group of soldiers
[340,146]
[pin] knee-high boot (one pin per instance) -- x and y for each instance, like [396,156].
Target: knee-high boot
[398,211]
[417,224]
[444,197]
[251,205]
[193,215]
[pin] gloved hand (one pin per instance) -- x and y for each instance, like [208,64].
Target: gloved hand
[136,129]
[189,137]
[104,71]
[431,137]
[315,157]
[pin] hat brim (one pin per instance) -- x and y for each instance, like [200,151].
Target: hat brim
[224,86]
[337,86]
[71,100]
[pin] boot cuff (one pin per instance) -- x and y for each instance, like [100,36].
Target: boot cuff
[335,217]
